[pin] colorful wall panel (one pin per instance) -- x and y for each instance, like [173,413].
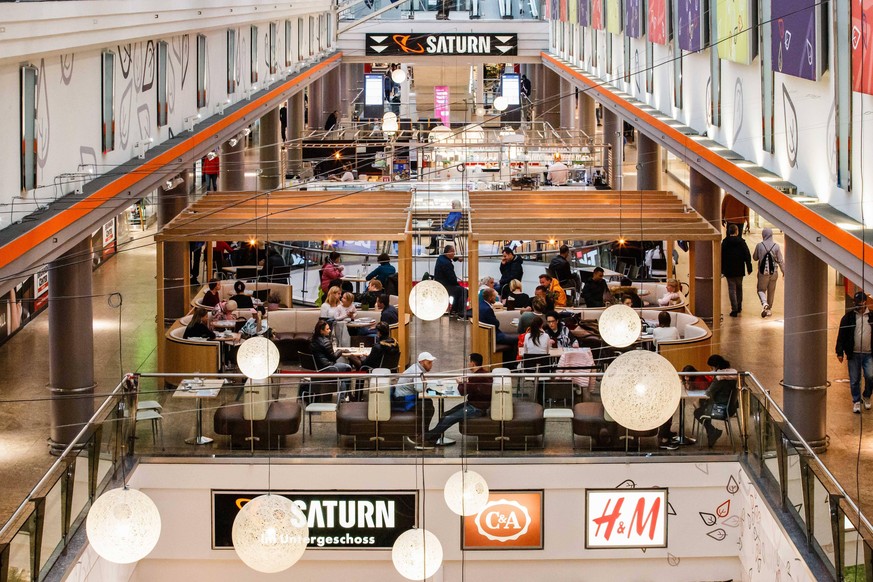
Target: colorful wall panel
[735,41]
[584,12]
[691,25]
[614,12]
[796,38]
[862,46]
[658,19]
[633,18]
[597,14]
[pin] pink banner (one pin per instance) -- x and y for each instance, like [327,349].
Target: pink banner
[441,104]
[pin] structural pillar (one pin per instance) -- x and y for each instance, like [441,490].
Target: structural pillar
[549,102]
[648,163]
[805,346]
[586,115]
[170,204]
[612,135]
[331,96]
[71,345]
[706,200]
[294,150]
[568,105]
[269,151]
[316,119]
[233,166]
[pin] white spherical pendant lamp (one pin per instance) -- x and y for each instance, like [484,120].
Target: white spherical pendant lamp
[123,525]
[417,554]
[501,103]
[428,300]
[620,326]
[398,75]
[466,492]
[258,358]
[640,390]
[270,533]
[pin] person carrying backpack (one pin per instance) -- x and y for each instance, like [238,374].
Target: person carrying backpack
[768,253]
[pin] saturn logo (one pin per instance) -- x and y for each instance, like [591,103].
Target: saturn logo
[402,39]
[503,520]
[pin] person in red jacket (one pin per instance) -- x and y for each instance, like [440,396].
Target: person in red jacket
[211,169]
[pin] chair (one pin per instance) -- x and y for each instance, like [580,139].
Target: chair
[148,405]
[157,423]
[501,402]
[281,275]
[379,401]
[307,362]
[731,413]
[391,361]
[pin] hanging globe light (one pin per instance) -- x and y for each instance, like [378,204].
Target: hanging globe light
[440,133]
[258,358]
[620,326]
[466,492]
[417,554]
[123,525]
[501,103]
[270,533]
[428,300]
[640,390]
[388,117]
[398,75]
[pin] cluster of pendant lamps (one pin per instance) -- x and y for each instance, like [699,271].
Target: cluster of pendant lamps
[640,390]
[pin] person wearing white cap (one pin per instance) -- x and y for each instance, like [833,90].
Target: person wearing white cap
[411,384]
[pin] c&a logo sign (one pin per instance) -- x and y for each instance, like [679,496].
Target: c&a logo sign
[510,520]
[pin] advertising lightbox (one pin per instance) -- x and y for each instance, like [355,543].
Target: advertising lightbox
[625,518]
[512,520]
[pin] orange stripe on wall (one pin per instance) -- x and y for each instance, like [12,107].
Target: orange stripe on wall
[51,227]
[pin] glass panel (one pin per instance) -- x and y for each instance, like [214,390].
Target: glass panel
[162,84]
[201,71]
[312,38]
[232,73]
[253,54]
[301,41]
[289,51]
[794,487]
[843,83]
[627,59]
[29,77]
[608,53]
[107,100]
[650,67]
[273,34]
[52,533]
[19,555]
[854,568]
[765,40]
[677,60]
[822,531]
[714,72]
[80,486]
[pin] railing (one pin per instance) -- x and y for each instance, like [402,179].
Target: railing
[352,13]
[791,475]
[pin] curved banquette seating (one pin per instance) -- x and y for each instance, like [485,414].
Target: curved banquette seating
[226,291]
[655,291]
[197,356]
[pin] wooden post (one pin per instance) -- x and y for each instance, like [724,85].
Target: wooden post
[159,288]
[716,292]
[671,271]
[404,286]
[186,276]
[691,273]
[209,273]
[473,294]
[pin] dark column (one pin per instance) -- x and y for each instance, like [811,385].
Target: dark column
[550,98]
[568,105]
[805,346]
[648,163]
[706,200]
[269,151]
[331,95]
[587,118]
[295,133]
[71,345]
[612,135]
[316,106]
[233,167]
[170,204]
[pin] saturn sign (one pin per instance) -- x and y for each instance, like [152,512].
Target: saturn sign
[441,44]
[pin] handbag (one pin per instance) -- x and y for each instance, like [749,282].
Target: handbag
[719,411]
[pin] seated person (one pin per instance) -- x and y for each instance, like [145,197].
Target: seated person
[720,391]
[596,291]
[326,358]
[274,303]
[347,306]
[552,285]
[225,311]
[664,331]
[632,300]
[627,290]
[477,388]
[211,297]
[389,312]
[199,326]
[404,395]
[542,292]
[673,296]
[558,332]
[536,345]
[371,295]
[537,309]
[486,315]
[383,271]
[332,306]
[515,299]
[243,300]
[487,283]
[255,325]
[667,439]
[384,347]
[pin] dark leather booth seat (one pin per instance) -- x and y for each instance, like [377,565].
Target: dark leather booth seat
[589,420]
[352,421]
[283,418]
[527,421]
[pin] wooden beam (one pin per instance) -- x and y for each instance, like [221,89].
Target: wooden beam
[671,268]
[716,292]
[472,293]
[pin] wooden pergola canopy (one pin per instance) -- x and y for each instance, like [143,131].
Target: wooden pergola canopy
[585,215]
[293,215]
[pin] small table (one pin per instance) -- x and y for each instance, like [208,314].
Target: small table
[356,351]
[357,280]
[199,389]
[224,323]
[687,395]
[360,322]
[442,389]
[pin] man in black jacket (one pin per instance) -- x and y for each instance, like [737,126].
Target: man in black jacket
[595,289]
[853,341]
[560,268]
[510,268]
[736,262]
[444,274]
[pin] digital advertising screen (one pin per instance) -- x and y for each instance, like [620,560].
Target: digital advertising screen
[736,42]
[510,87]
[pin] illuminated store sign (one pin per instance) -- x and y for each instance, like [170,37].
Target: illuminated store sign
[337,520]
[512,520]
[625,518]
[442,44]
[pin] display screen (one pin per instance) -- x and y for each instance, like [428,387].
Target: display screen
[794,38]
[374,93]
[510,88]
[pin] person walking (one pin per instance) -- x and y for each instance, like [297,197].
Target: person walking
[768,253]
[736,262]
[854,343]
[211,169]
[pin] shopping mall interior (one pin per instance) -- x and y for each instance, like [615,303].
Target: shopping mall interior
[435,289]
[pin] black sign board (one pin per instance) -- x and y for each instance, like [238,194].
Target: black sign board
[442,44]
[338,520]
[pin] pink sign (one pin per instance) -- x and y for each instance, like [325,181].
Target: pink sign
[441,104]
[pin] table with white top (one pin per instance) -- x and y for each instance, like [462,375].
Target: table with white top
[199,388]
[687,395]
[360,322]
[439,390]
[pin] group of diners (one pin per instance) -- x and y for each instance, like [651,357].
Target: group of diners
[263,261]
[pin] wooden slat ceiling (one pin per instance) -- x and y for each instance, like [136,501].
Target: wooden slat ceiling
[293,215]
[585,215]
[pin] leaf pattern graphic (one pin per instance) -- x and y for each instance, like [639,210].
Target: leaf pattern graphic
[732,521]
[708,518]
[672,560]
[626,484]
[724,509]
[717,534]
[732,486]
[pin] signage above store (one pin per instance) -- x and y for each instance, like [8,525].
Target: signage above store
[441,44]
[511,520]
[337,520]
[625,518]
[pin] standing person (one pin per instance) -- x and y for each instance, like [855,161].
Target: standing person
[853,342]
[331,271]
[525,86]
[734,212]
[444,274]
[560,268]
[511,267]
[332,120]
[211,169]
[769,256]
[283,121]
[196,248]
[736,262]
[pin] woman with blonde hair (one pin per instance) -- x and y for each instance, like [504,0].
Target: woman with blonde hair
[673,294]
[332,308]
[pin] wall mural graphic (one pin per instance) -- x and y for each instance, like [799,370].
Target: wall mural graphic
[738,110]
[657,22]
[87,156]
[67,68]
[792,137]
[690,25]
[613,16]
[147,68]
[43,119]
[794,45]
[181,51]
